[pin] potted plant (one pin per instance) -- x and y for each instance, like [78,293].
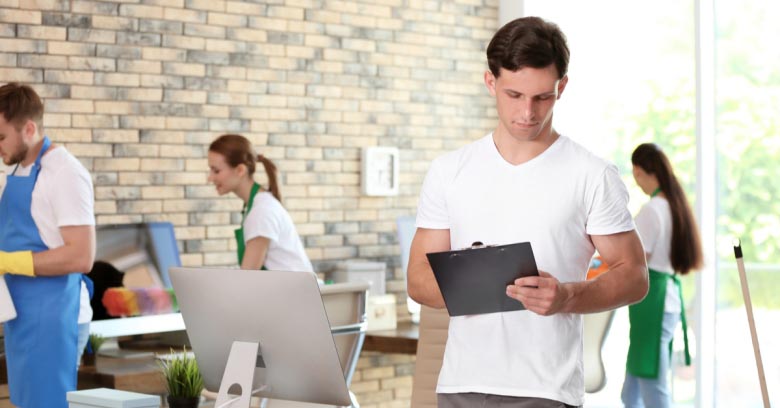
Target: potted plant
[182,380]
[93,345]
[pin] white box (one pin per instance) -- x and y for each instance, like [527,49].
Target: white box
[361,271]
[108,398]
[380,312]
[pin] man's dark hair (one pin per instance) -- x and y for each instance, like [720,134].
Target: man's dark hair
[528,42]
[19,103]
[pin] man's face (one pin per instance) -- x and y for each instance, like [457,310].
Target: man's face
[525,99]
[13,148]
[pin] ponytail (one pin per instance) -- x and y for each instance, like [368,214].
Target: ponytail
[270,170]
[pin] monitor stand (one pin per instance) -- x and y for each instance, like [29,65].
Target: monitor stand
[244,358]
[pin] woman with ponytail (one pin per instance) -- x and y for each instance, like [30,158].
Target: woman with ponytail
[671,242]
[267,237]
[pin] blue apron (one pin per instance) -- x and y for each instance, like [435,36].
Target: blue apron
[40,344]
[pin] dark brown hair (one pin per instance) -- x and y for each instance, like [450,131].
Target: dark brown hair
[19,103]
[686,252]
[237,150]
[528,42]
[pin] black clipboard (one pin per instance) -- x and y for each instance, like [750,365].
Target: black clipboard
[474,280]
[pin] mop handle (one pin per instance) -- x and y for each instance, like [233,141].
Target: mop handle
[751,322]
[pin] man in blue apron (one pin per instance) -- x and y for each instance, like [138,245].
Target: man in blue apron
[47,243]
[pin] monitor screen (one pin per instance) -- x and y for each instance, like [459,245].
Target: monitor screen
[133,292]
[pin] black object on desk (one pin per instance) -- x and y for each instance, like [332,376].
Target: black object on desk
[474,280]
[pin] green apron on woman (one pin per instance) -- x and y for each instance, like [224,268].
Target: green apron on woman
[241,246]
[646,318]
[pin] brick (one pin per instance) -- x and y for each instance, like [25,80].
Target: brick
[247,34]
[229,20]
[93,92]
[182,15]
[140,11]
[117,79]
[115,136]
[244,8]
[225,45]
[94,7]
[61,135]
[184,96]
[140,178]
[183,69]
[94,121]
[211,5]
[163,54]
[42,61]
[22,45]
[161,26]
[139,66]
[20,16]
[56,120]
[203,30]
[136,150]
[118,51]
[69,77]
[285,13]
[140,94]
[139,206]
[61,5]
[141,39]
[90,35]
[41,32]
[91,63]
[117,164]
[164,81]
[114,23]
[161,192]
[142,122]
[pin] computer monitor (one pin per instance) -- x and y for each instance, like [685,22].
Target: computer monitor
[133,256]
[281,311]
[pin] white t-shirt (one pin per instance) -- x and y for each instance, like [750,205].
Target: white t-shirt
[554,201]
[654,225]
[267,218]
[62,196]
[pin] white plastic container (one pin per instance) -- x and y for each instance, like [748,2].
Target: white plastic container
[108,398]
[361,271]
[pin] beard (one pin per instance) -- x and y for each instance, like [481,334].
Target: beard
[16,157]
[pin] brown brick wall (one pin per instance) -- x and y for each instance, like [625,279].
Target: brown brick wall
[138,88]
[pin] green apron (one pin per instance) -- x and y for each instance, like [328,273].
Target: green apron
[646,319]
[240,232]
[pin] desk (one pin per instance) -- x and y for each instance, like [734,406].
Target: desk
[140,374]
[403,339]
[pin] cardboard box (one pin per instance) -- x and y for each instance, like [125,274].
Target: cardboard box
[108,398]
[380,312]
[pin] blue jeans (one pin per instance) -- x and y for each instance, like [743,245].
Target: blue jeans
[653,392]
[83,337]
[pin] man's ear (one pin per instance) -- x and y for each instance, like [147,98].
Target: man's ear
[29,130]
[562,85]
[490,82]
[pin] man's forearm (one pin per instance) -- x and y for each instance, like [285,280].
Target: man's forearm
[422,286]
[64,260]
[621,286]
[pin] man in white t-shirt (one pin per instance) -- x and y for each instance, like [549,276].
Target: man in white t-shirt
[47,244]
[526,182]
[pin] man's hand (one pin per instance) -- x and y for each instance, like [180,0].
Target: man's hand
[18,263]
[542,294]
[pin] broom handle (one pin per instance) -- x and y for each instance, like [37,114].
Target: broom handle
[751,322]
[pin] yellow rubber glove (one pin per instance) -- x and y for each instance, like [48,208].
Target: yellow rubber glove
[18,263]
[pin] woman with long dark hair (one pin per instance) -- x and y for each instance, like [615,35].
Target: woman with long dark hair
[671,242]
[267,237]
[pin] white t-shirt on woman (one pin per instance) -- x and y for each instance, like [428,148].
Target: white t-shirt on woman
[268,218]
[654,225]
